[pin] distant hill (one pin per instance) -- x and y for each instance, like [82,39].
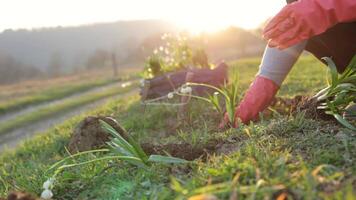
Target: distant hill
[72,46]
[39,53]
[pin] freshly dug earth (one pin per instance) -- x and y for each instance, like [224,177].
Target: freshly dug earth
[190,152]
[300,104]
[88,134]
[20,196]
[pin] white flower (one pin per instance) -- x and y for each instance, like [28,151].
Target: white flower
[216,93]
[166,51]
[168,44]
[184,53]
[46,194]
[186,90]
[172,60]
[48,184]
[161,48]
[184,57]
[155,51]
[170,95]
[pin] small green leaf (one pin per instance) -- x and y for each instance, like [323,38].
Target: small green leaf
[166,159]
[333,70]
[344,122]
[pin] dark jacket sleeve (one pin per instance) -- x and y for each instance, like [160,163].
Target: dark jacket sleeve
[291,1]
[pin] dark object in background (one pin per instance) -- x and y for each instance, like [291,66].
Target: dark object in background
[162,85]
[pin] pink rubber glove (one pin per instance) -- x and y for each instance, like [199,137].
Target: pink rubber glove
[303,19]
[258,97]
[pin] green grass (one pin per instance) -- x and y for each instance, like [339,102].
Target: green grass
[51,110]
[310,159]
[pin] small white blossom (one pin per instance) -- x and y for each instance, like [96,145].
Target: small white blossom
[184,53]
[170,95]
[168,44]
[46,194]
[166,51]
[186,90]
[189,89]
[184,57]
[216,93]
[155,51]
[161,48]
[172,60]
[48,183]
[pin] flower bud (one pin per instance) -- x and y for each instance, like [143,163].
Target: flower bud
[170,95]
[46,194]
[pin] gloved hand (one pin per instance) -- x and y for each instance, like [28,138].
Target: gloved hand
[303,19]
[258,97]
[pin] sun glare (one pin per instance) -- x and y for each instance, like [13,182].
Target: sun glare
[193,15]
[211,16]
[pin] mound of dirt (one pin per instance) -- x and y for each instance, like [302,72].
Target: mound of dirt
[20,196]
[302,104]
[89,135]
[190,152]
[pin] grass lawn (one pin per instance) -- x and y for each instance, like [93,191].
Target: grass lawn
[278,156]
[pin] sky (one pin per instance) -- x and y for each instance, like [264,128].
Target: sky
[193,15]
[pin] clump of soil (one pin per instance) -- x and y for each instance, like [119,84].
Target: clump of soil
[188,151]
[302,104]
[88,134]
[20,196]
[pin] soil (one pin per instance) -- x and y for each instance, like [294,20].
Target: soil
[20,196]
[88,134]
[190,152]
[299,104]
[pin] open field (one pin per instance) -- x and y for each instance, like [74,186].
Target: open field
[282,155]
[24,94]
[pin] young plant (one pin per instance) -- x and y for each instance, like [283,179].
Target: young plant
[120,148]
[340,93]
[228,94]
[133,151]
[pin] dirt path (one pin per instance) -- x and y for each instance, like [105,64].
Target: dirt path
[14,114]
[13,138]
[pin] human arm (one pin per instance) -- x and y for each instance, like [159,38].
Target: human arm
[303,19]
[274,67]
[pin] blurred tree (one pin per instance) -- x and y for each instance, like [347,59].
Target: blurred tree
[55,65]
[114,64]
[12,71]
[99,59]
